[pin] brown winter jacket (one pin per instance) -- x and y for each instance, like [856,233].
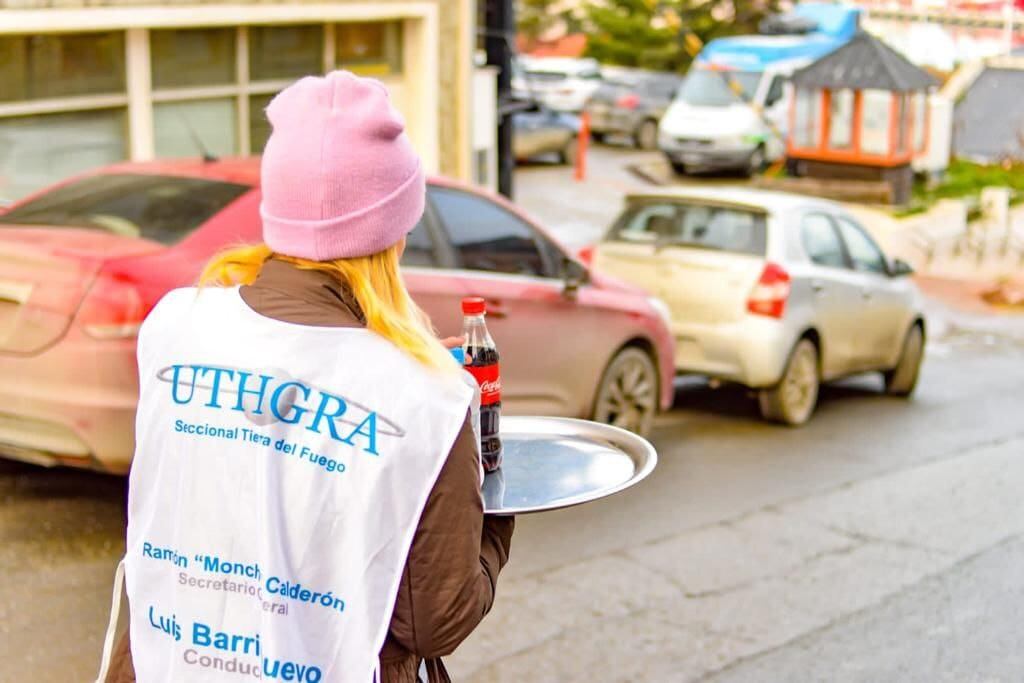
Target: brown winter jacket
[452,570]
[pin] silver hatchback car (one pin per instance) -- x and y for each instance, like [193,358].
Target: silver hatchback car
[775,291]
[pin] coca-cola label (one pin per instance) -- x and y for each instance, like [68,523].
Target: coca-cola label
[489,379]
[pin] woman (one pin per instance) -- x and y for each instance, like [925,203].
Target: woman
[305,498]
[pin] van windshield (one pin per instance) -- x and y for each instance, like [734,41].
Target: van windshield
[707,88]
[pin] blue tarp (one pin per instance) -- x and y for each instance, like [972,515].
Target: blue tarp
[836,25]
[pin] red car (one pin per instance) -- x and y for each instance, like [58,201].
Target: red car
[82,263]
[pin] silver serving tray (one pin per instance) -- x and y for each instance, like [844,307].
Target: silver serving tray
[556,462]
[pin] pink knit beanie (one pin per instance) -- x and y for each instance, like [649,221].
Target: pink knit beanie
[339,176]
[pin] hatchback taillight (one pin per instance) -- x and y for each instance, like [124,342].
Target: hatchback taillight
[113,308]
[586,255]
[769,295]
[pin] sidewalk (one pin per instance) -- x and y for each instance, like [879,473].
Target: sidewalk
[691,604]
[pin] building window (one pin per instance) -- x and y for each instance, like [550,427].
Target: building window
[277,52]
[369,48]
[189,58]
[807,123]
[277,56]
[840,119]
[874,132]
[259,126]
[64,96]
[63,103]
[189,129]
[36,151]
[61,65]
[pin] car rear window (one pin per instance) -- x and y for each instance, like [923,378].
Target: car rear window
[155,207]
[546,76]
[700,226]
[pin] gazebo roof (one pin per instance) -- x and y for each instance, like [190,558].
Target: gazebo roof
[862,63]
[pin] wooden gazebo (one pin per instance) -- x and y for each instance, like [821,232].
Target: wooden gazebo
[861,113]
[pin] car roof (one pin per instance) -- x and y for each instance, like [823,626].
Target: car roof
[768,201]
[244,170]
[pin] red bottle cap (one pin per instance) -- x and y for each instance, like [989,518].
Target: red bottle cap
[474,305]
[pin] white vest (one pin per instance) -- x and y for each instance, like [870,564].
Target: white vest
[279,476]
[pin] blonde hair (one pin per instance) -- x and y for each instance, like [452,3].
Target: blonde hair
[375,284]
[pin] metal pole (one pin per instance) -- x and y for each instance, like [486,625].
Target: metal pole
[499,31]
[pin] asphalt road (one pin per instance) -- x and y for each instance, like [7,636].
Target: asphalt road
[753,553]
[61,530]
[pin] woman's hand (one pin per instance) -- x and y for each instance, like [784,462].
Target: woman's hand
[453,342]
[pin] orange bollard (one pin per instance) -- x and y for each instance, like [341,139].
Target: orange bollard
[582,141]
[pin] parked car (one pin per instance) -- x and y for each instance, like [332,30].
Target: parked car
[543,131]
[82,263]
[775,291]
[560,83]
[631,103]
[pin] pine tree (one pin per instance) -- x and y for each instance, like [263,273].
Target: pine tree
[664,35]
[534,18]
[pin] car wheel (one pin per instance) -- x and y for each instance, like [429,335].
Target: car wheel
[793,399]
[902,379]
[628,394]
[568,154]
[757,161]
[646,136]
[678,167]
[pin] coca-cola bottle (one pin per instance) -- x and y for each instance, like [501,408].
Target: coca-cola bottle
[481,360]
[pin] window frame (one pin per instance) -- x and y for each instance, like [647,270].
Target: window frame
[442,251]
[452,259]
[838,220]
[834,227]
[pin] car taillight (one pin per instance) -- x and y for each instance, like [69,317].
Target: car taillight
[586,255]
[630,101]
[769,295]
[112,309]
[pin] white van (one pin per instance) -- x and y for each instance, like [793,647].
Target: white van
[732,109]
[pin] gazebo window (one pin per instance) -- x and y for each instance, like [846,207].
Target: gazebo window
[807,123]
[920,121]
[900,117]
[874,132]
[840,120]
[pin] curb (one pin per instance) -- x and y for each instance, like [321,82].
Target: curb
[648,174]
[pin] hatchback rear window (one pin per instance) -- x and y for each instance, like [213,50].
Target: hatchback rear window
[699,226]
[160,208]
[546,76]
